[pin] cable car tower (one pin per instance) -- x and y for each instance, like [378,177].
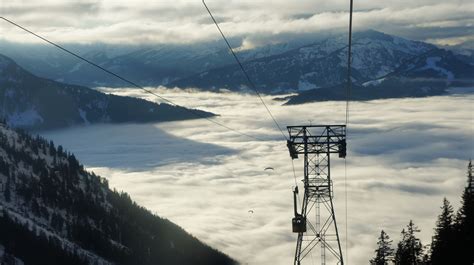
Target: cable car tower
[315,224]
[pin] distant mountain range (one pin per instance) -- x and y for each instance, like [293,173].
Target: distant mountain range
[428,74]
[53,211]
[319,64]
[148,65]
[294,66]
[31,102]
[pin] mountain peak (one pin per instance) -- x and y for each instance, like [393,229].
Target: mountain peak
[320,64]
[372,34]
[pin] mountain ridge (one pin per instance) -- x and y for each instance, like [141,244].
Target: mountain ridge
[33,102]
[153,65]
[293,66]
[429,74]
[318,64]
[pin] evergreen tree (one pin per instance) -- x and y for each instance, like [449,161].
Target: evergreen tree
[409,249]
[384,251]
[444,243]
[465,222]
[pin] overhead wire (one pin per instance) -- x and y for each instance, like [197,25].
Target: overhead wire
[194,112]
[294,172]
[349,62]
[250,83]
[348,99]
[247,77]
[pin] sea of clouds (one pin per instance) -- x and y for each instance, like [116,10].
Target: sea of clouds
[404,156]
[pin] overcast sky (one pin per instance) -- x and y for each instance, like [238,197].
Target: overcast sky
[186,21]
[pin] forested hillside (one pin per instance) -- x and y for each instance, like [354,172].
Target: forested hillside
[53,211]
[31,102]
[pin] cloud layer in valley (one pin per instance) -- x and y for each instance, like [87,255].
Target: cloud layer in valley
[404,156]
[183,21]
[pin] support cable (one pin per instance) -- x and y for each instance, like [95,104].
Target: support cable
[349,94]
[294,172]
[192,111]
[249,81]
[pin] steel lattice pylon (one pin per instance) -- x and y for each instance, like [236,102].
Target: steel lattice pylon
[316,223]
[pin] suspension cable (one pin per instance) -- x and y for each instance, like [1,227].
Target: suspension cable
[247,77]
[192,111]
[349,94]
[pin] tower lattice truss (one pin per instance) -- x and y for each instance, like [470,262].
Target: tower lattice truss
[315,223]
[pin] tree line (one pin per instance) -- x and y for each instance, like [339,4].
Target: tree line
[452,242]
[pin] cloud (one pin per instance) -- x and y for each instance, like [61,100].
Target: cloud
[210,192]
[151,145]
[184,21]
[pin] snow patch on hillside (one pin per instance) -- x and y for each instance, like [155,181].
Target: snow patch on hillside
[83,115]
[304,85]
[27,118]
[431,64]
[373,82]
[75,68]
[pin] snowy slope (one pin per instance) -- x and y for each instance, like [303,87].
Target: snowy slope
[298,64]
[438,64]
[319,64]
[429,74]
[52,211]
[147,65]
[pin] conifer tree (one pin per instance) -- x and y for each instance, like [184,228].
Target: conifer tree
[465,222]
[384,251]
[443,246]
[409,249]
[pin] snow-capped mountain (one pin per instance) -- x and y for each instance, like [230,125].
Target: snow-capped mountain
[438,64]
[53,211]
[428,74]
[297,65]
[29,101]
[147,65]
[319,64]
